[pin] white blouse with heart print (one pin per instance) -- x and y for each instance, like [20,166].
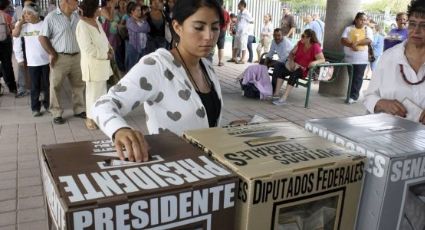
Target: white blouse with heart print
[162,85]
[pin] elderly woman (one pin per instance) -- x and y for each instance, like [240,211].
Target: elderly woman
[304,55]
[397,86]
[355,40]
[96,54]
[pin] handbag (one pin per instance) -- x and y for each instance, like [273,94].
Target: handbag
[115,77]
[371,54]
[250,90]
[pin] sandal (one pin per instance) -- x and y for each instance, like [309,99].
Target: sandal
[231,60]
[240,62]
[220,64]
[90,124]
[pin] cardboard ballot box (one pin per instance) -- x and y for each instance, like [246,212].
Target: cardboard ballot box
[87,187]
[394,189]
[288,178]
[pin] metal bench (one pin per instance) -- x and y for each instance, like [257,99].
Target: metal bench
[335,60]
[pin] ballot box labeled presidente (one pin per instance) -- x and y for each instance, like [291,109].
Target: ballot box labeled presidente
[180,187]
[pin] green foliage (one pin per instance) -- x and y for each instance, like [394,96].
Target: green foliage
[370,6]
[382,5]
[297,5]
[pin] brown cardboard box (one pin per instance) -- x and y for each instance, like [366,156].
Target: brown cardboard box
[87,187]
[288,178]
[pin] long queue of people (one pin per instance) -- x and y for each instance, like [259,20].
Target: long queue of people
[81,41]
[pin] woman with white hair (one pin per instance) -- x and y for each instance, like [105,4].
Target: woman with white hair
[37,57]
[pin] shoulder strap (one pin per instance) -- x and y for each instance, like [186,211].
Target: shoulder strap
[8,29]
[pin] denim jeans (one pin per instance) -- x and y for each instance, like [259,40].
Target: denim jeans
[132,56]
[251,39]
[39,83]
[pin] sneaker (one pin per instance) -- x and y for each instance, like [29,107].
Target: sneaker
[81,115]
[58,120]
[351,101]
[36,113]
[22,94]
[279,102]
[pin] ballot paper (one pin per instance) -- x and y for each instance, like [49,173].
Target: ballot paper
[413,110]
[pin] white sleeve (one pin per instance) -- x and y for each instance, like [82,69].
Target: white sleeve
[369,33]
[288,48]
[372,94]
[345,33]
[17,49]
[131,91]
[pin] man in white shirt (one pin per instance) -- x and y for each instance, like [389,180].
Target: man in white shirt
[242,32]
[398,83]
[315,26]
[281,46]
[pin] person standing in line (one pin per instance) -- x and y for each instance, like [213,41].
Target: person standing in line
[399,34]
[96,54]
[6,28]
[287,23]
[242,32]
[266,36]
[251,39]
[377,43]
[58,39]
[19,47]
[355,40]
[316,17]
[232,32]
[315,26]
[157,23]
[37,58]
[222,37]
[137,32]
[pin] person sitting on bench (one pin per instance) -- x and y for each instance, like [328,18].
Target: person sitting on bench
[281,46]
[305,54]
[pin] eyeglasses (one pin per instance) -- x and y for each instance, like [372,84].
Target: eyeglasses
[401,19]
[413,25]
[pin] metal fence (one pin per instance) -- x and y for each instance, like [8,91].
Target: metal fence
[258,9]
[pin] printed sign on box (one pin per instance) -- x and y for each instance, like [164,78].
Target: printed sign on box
[88,187]
[394,189]
[288,178]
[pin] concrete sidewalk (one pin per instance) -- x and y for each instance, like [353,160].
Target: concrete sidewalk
[21,195]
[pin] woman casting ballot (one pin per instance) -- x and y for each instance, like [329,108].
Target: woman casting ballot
[178,88]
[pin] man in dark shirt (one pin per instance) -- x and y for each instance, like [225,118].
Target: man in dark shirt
[287,24]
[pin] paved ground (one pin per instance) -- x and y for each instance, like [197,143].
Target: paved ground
[21,196]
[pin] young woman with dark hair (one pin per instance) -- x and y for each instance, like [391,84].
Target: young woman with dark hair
[179,88]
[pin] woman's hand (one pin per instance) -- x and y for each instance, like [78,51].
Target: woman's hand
[393,107]
[132,141]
